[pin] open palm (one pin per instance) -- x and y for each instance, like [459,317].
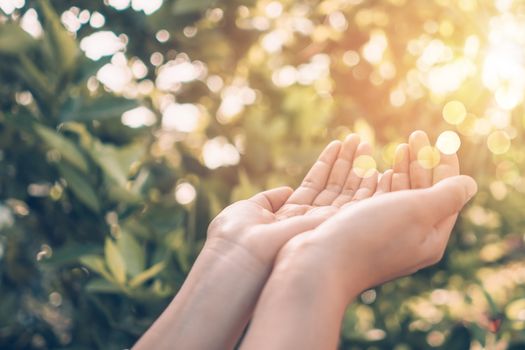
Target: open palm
[264,223]
[333,181]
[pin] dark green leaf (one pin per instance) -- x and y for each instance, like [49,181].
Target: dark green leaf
[99,285]
[80,186]
[105,107]
[64,146]
[184,7]
[70,252]
[14,40]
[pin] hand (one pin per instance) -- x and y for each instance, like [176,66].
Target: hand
[262,224]
[410,228]
[318,272]
[242,243]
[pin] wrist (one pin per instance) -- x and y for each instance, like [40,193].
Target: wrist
[315,270]
[222,272]
[301,305]
[234,256]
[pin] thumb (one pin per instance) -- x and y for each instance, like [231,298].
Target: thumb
[448,196]
[272,199]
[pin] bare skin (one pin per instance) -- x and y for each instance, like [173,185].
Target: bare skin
[243,241]
[319,272]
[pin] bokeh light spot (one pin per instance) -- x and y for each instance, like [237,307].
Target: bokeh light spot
[498,142]
[448,142]
[454,112]
[428,157]
[365,166]
[185,193]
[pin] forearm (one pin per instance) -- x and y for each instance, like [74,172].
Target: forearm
[214,304]
[298,309]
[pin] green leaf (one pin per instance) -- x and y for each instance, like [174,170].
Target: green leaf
[88,68]
[115,163]
[40,84]
[14,40]
[70,252]
[132,252]
[80,187]
[96,263]
[184,7]
[107,157]
[146,275]
[65,147]
[105,107]
[63,43]
[115,261]
[99,285]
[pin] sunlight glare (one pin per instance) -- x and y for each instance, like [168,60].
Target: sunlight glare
[100,44]
[504,64]
[448,142]
[218,152]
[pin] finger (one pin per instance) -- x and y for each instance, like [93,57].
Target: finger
[447,197]
[353,180]
[401,177]
[384,184]
[420,172]
[316,178]
[448,166]
[367,187]
[339,172]
[273,199]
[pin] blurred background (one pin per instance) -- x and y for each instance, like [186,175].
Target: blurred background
[126,125]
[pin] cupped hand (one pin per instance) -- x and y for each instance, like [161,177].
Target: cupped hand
[262,224]
[394,234]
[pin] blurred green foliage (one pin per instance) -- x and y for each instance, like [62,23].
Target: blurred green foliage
[101,215]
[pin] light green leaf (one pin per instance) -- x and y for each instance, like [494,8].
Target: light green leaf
[65,147]
[115,261]
[96,263]
[132,252]
[80,187]
[146,275]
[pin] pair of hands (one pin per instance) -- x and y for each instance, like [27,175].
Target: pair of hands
[291,260]
[388,226]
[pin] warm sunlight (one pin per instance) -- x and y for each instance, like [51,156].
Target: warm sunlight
[504,64]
